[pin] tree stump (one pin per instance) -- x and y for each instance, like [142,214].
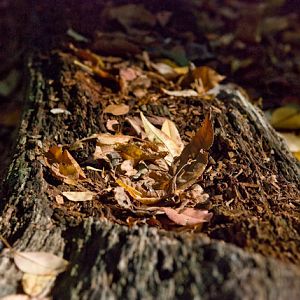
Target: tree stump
[248,252]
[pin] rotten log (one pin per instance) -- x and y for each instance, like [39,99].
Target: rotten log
[111,261]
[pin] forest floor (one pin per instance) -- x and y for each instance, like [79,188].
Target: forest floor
[145,65]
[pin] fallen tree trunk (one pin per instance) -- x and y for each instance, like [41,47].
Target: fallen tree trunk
[111,261]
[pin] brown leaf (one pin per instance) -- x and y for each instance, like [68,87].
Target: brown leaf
[209,77]
[117,109]
[190,165]
[188,216]
[202,78]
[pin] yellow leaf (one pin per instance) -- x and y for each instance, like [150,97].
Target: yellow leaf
[286,117]
[297,155]
[34,285]
[137,195]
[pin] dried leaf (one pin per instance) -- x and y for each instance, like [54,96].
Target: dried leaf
[136,124]
[137,153]
[117,109]
[165,70]
[286,117]
[112,125]
[195,194]
[68,163]
[63,166]
[34,285]
[137,195]
[187,216]
[109,139]
[182,93]
[190,165]
[170,129]
[40,263]
[154,134]
[79,196]
[127,167]
[209,77]
[122,198]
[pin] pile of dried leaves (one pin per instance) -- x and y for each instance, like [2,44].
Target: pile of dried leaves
[142,175]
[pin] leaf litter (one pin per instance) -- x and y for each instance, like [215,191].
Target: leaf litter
[148,174]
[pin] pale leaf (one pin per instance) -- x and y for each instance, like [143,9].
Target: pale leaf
[170,129]
[187,216]
[40,263]
[182,93]
[79,196]
[155,134]
[165,70]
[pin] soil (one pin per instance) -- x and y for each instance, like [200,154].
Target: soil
[255,204]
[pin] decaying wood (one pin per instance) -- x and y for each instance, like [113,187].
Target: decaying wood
[109,261]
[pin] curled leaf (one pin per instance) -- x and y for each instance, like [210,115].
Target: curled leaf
[63,166]
[193,159]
